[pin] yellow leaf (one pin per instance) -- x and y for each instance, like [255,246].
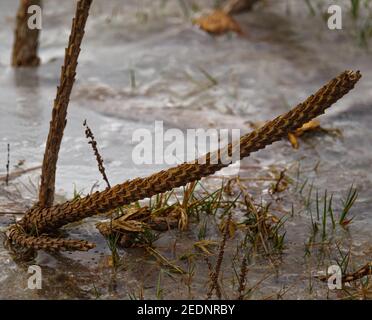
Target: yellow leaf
[218,22]
[293,140]
[309,126]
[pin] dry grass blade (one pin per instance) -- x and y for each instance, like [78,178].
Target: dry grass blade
[52,218]
[164,261]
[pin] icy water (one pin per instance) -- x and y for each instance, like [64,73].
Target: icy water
[285,55]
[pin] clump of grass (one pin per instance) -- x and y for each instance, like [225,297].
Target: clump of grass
[347,204]
[263,229]
[325,210]
[112,242]
[76,193]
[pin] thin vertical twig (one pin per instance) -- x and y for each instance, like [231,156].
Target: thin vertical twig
[92,141]
[7,165]
[242,278]
[59,114]
[221,252]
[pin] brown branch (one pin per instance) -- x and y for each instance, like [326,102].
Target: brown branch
[50,219]
[59,113]
[26,41]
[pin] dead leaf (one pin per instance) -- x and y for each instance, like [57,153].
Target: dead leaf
[218,22]
[309,126]
[293,140]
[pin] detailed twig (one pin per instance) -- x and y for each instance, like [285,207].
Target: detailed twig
[212,279]
[26,40]
[221,252]
[52,218]
[58,123]
[7,165]
[93,143]
[242,277]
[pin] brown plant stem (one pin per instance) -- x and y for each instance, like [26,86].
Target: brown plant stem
[242,277]
[92,141]
[221,252]
[59,113]
[26,41]
[50,219]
